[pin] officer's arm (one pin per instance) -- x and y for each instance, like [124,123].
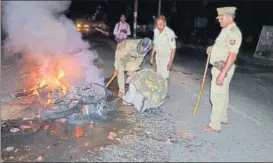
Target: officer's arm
[154,39]
[234,44]
[117,62]
[119,66]
[119,54]
[172,41]
[121,79]
[153,52]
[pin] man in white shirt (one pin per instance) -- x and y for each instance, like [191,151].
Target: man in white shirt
[164,48]
[122,29]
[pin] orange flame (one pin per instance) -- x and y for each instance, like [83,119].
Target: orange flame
[52,78]
[49,101]
[79,132]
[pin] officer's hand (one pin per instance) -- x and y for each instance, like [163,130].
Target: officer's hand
[209,50]
[152,60]
[116,73]
[120,94]
[129,73]
[220,80]
[170,66]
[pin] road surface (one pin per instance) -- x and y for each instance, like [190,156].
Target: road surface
[173,133]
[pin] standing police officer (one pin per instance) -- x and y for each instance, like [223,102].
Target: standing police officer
[223,55]
[164,47]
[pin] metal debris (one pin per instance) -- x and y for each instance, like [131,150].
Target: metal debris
[79,106]
[14,130]
[27,93]
[9,149]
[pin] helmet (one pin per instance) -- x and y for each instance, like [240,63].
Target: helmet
[146,43]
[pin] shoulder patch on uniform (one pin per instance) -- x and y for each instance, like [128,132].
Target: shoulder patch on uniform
[232,42]
[173,39]
[235,30]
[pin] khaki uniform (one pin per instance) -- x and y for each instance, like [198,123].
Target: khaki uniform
[229,40]
[164,42]
[127,59]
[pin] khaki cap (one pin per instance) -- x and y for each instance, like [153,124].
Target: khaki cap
[225,10]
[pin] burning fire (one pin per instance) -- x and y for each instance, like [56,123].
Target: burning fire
[52,78]
[55,81]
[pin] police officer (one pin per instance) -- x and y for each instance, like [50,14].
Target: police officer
[128,57]
[164,47]
[223,55]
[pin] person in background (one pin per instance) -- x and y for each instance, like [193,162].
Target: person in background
[122,30]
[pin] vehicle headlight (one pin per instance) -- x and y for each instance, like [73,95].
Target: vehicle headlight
[79,25]
[86,26]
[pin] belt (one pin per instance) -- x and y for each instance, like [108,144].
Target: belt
[219,64]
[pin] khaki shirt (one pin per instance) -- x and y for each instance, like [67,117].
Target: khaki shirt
[164,42]
[127,57]
[228,41]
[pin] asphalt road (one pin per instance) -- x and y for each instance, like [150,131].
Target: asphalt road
[172,132]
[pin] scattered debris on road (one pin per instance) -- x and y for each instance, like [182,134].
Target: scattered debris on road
[40,159]
[184,133]
[14,130]
[168,141]
[111,135]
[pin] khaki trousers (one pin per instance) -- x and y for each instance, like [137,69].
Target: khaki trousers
[219,97]
[162,66]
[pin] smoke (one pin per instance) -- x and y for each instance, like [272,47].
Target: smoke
[39,29]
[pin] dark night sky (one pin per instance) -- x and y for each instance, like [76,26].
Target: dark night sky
[255,9]
[250,16]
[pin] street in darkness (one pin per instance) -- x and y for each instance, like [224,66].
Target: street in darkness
[170,133]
